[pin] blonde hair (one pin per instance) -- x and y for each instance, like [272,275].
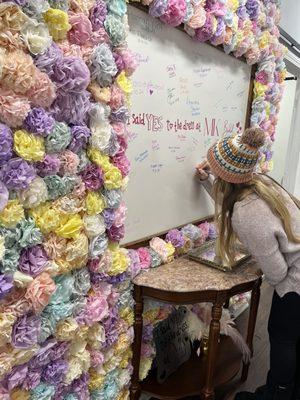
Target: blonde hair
[227,194]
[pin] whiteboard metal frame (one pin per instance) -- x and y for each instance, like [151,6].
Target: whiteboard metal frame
[144,241]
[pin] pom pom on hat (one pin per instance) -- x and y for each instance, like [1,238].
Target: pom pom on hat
[253,137]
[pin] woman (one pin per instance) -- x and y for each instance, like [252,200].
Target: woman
[252,208]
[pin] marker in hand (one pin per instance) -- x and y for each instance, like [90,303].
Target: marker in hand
[203,170]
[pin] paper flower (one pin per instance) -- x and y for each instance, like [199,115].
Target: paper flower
[6,143]
[59,138]
[36,37]
[81,30]
[35,194]
[70,75]
[58,23]
[38,121]
[13,108]
[12,214]
[33,260]
[25,331]
[28,146]
[47,60]
[98,14]
[103,66]
[80,137]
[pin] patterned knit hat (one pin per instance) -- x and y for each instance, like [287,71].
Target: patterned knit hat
[234,158]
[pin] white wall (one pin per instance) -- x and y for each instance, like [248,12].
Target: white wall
[285,118]
[290,14]
[297,186]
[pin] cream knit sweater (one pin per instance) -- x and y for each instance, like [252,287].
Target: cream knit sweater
[262,233]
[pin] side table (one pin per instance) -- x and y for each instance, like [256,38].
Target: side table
[184,281]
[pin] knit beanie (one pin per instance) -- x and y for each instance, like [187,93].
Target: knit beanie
[234,158]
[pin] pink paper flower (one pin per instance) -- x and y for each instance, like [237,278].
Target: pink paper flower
[81,30]
[40,291]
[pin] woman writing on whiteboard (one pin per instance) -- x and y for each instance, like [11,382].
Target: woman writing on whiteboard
[266,220]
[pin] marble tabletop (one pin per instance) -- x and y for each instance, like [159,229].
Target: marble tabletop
[186,275]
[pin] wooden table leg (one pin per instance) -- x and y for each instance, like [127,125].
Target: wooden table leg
[135,389]
[255,297]
[208,392]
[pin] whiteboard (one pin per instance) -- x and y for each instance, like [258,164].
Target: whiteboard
[185,96]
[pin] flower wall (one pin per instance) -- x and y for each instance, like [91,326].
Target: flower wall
[65,303]
[65,296]
[244,28]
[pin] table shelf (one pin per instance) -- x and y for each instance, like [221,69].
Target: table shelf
[188,380]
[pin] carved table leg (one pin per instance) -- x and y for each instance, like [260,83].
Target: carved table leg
[135,390]
[208,392]
[255,297]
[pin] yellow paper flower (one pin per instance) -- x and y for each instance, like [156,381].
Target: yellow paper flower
[58,23]
[113,178]
[128,315]
[102,95]
[96,336]
[125,84]
[233,4]
[124,395]
[6,323]
[96,380]
[259,89]
[19,394]
[82,333]
[46,217]
[12,214]
[29,146]
[145,366]
[23,356]
[70,226]
[264,40]
[151,315]
[74,370]
[66,329]
[119,262]
[126,356]
[98,158]
[95,203]
[171,251]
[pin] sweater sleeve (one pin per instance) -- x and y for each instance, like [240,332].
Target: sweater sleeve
[258,235]
[208,185]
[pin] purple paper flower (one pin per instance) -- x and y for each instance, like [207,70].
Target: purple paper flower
[4,195]
[80,386]
[16,376]
[18,2]
[119,61]
[55,372]
[44,355]
[96,279]
[119,115]
[242,12]
[92,177]
[47,60]
[26,331]
[212,234]
[80,138]
[33,260]
[134,267]
[39,121]
[98,14]
[6,143]
[147,333]
[252,8]
[49,166]
[71,108]
[59,350]
[6,284]
[109,217]
[16,174]
[205,32]
[32,380]
[158,8]
[70,75]
[116,233]
[175,237]
[115,280]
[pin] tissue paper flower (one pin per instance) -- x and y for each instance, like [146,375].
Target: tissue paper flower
[58,23]
[33,260]
[36,37]
[6,143]
[70,75]
[50,165]
[25,331]
[13,108]
[59,138]
[12,214]
[80,136]
[38,121]
[28,146]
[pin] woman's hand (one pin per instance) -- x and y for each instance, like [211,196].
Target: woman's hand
[203,170]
